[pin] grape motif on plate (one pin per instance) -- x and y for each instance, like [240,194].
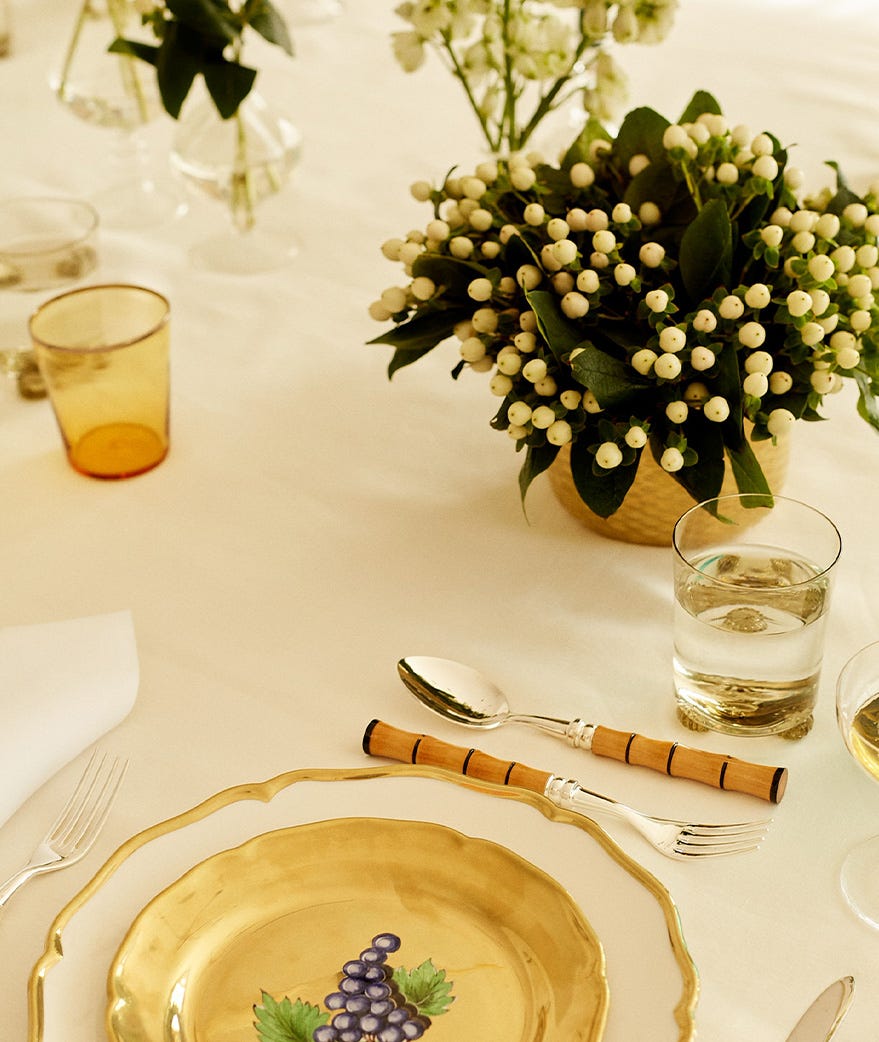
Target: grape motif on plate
[373,1002]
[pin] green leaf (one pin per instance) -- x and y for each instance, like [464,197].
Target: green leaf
[603,492]
[560,333]
[270,25]
[610,379]
[426,988]
[656,183]
[206,18]
[868,407]
[286,1021]
[579,150]
[178,63]
[746,470]
[147,52]
[641,134]
[538,458]
[228,84]
[415,338]
[701,102]
[706,251]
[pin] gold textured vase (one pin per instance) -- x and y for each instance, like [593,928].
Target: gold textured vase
[655,501]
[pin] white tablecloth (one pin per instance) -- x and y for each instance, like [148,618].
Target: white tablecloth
[314,522]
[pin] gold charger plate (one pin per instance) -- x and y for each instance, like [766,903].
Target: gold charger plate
[285,911]
[651,977]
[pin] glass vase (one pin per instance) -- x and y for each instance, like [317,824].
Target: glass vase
[117,92]
[240,162]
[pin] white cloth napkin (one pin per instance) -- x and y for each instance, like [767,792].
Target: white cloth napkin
[62,685]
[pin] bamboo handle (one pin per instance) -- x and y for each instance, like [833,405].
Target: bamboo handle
[381,739]
[723,772]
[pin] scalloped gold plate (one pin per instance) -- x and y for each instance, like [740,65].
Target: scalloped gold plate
[650,974]
[283,912]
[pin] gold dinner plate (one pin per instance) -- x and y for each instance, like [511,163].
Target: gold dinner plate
[285,911]
[651,979]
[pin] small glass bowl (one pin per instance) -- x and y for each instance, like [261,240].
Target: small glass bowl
[46,243]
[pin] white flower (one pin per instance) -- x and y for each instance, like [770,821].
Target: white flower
[859,286]
[582,175]
[780,422]
[423,288]
[827,226]
[574,305]
[657,301]
[651,255]
[604,242]
[677,412]
[812,334]
[765,166]
[559,433]
[667,366]
[856,214]
[696,394]
[752,334]
[675,137]
[716,409]
[408,48]
[727,173]
[672,339]
[822,381]
[394,299]
[756,384]
[780,383]
[565,251]
[461,247]
[479,289]
[529,276]
[702,358]
[608,455]
[762,145]
[570,399]
[798,303]
[472,349]
[638,163]
[588,281]
[757,296]
[534,214]
[523,178]
[557,229]
[772,235]
[591,403]
[671,460]
[821,267]
[543,417]
[649,214]
[759,362]
[379,312]
[705,321]
[621,213]
[636,437]
[500,385]
[731,307]
[534,370]
[624,274]
[643,360]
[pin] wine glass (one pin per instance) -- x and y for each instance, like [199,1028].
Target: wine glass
[46,244]
[857,712]
[241,161]
[118,92]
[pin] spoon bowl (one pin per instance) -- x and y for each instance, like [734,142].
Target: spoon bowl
[443,685]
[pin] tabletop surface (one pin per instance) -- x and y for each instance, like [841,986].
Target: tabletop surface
[314,521]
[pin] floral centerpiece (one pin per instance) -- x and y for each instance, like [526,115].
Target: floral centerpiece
[650,291]
[519,60]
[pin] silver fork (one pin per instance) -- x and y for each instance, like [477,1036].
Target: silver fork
[77,826]
[675,839]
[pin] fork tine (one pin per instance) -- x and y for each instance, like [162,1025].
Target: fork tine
[712,833]
[86,811]
[685,849]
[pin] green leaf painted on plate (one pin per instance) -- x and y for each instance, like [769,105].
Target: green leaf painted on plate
[426,988]
[287,1021]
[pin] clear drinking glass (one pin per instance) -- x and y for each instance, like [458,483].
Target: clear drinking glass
[857,713]
[46,243]
[752,576]
[103,352]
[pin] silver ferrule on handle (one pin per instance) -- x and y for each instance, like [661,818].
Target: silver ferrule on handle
[577,732]
[570,795]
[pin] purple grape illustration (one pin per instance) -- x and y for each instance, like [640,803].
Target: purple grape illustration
[372,1002]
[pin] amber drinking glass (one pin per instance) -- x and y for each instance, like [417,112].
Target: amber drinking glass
[103,352]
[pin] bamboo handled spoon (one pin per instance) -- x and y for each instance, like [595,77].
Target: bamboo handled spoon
[461,694]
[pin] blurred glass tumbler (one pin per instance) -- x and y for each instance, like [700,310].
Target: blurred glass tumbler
[752,591]
[104,354]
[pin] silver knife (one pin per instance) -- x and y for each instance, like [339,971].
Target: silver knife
[823,1017]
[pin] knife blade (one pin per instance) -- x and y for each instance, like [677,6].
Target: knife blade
[823,1017]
